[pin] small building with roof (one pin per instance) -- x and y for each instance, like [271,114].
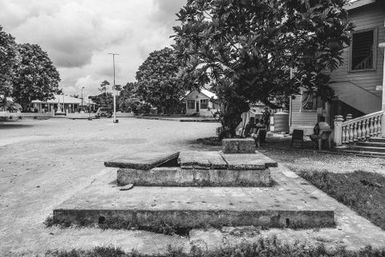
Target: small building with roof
[62,104]
[201,103]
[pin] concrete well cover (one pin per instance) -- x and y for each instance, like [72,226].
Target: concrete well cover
[142,160]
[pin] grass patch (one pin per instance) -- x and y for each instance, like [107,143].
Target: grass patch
[96,252]
[264,247]
[364,192]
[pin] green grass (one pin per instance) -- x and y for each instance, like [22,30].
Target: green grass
[364,192]
[264,248]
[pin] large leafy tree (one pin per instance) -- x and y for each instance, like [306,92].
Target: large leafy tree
[158,82]
[103,100]
[127,97]
[8,62]
[248,47]
[36,76]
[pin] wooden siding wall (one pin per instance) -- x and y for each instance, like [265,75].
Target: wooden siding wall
[304,120]
[197,96]
[371,16]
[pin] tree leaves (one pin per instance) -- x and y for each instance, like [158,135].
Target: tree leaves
[248,47]
[159,82]
[9,59]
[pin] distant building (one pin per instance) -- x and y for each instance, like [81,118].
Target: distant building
[62,104]
[201,103]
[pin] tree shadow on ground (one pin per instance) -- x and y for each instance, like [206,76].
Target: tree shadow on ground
[11,125]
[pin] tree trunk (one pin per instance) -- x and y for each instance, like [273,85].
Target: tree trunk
[231,117]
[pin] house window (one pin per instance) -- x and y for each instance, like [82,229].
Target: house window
[309,101]
[204,103]
[191,104]
[363,51]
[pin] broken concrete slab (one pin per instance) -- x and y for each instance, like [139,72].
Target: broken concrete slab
[238,145]
[142,160]
[204,169]
[244,161]
[270,163]
[199,159]
[192,177]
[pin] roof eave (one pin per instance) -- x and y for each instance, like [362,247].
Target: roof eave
[359,4]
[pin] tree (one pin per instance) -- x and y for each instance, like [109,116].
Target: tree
[103,87]
[247,48]
[9,59]
[36,76]
[127,97]
[103,100]
[158,81]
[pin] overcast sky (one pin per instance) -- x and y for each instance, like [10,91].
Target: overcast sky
[79,34]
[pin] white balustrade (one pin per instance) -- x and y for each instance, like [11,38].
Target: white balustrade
[361,128]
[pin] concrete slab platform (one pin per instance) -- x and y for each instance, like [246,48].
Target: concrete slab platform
[220,160]
[244,161]
[270,163]
[204,169]
[200,159]
[188,207]
[142,160]
[193,177]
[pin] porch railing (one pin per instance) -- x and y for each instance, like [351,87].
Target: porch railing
[358,129]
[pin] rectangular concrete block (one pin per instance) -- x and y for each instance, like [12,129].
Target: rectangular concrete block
[188,219]
[187,207]
[238,145]
[178,177]
[168,176]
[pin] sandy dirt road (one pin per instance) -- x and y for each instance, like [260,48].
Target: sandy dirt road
[43,163]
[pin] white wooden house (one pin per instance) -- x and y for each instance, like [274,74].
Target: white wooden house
[202,103]
[358,83]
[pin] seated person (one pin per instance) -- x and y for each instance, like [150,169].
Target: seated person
[259,132]
[321,129]
[249,127]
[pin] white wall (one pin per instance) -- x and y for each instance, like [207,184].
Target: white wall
[197,97]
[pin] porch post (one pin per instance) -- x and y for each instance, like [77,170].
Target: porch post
[338,130]
[382,45]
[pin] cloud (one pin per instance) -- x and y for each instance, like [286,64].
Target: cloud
[73,33]
[165,11]
[79,34]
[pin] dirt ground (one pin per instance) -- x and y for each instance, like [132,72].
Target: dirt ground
[43,163]
[309,159]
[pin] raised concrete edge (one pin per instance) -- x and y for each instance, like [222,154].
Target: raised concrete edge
[144,164]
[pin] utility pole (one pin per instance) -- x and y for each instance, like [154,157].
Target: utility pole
[82,97]
[113,92]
